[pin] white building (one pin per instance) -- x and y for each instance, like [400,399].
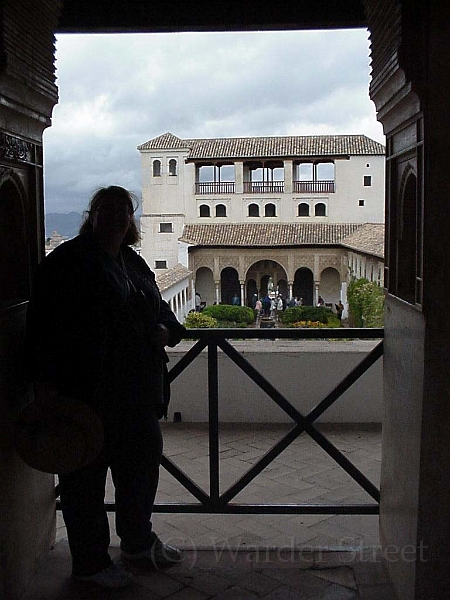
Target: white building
[250,209]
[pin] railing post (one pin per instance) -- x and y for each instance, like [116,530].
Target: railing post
[213,398]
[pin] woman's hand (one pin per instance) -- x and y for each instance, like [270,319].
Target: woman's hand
[160,336]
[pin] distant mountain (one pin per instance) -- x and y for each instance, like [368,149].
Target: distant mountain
[66,224]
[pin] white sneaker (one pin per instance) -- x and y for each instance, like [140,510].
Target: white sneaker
[111,577]
[161,555]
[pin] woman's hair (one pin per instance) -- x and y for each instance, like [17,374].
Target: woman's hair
[102,196]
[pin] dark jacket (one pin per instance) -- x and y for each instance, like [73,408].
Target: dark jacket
[89,325]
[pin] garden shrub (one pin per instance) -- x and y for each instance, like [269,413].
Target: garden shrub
[197,320]
[366,303]
[228,314]
[298,314]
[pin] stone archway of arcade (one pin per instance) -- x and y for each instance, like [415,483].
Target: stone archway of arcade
[244,281]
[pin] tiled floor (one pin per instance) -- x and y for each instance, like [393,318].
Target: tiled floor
[241,557]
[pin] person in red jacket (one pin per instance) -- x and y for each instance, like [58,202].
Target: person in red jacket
[97,331]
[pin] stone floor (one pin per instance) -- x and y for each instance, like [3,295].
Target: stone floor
[273,557]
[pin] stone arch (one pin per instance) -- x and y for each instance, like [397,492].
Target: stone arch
[407,247]
[229,285]
[251,291]
[14,253]
[303,286]
[330,285]
[204,285]
[262,270]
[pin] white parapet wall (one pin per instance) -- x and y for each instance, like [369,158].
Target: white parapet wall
[303,371]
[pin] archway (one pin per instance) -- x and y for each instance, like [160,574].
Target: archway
[330,286]
[407,241]
[229,285]
[14,261]
[204,285]
[304,285]
[263,271]
[252,293]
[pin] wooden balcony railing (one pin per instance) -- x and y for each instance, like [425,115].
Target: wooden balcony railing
[263,187]
[315,187]
[218,501]
[224,187]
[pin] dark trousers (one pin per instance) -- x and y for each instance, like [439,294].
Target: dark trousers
[132,450]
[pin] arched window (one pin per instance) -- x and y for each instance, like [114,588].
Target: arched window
[253,210]
[270,210]
[221,210]
[172,166]
[320,210]
[408,256]
[156,168]
[205,211]
[303,210]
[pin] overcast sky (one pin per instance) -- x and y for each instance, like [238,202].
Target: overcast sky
[118,91]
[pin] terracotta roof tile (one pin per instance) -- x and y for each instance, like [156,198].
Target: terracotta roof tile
[369,238]
[268,147]
[264,234]
[172,276]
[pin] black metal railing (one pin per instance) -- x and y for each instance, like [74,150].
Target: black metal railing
[210,187]
[221,502]
[263,187]
[314,187]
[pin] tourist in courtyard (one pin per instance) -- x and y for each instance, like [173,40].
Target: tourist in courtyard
[97,329]
[339,310]
[198,302]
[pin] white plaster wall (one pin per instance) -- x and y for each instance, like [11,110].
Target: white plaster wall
[305,372]
[160,246]
[349,174]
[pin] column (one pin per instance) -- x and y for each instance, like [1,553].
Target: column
[242,283]
[288,176]
[217,284]
[290,288]
[316,292]
[239,177]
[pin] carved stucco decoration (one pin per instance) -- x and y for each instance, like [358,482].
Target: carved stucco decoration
[303,261]
[229,261]
[13,148]
[202,260]
[329,261]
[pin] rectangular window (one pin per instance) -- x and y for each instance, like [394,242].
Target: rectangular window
[160,264]
[165,228]
[360,202]
[367,180]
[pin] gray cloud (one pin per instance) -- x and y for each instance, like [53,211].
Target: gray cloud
[117,91]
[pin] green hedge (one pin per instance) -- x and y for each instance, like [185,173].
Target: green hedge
[227,313]
[308,313]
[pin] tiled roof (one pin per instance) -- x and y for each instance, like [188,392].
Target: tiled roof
[268,147]
[172,276]
[265,234]
[369,238]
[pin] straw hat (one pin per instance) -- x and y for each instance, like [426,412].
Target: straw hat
[59,437]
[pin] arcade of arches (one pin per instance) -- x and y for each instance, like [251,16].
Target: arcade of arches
[306,273]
